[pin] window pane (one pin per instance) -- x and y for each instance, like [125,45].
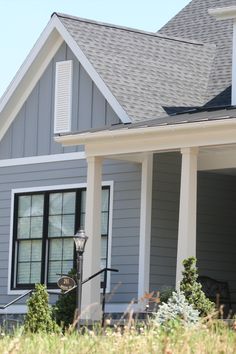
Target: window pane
[24,206]
[83,201]
[103,247]
[35,272]
[24,251]
[67,266]
[36,227]
[54,271]
[55,249]
[23,229]
[104,223]
[54,227]
[68,225]
[36,250]
[69,203]
[37,205]
[68,249]
[105,199]
[55,203]
[23,276]
[82,220]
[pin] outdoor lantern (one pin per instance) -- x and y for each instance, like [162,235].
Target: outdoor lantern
[80,239]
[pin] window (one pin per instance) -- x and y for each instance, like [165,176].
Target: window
[44,225]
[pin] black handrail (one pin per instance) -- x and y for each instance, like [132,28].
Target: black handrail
[104,270]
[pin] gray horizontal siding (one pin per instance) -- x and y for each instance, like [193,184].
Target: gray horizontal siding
[125,232]
[216,224]
[164,228]
[216,227]
[32,131]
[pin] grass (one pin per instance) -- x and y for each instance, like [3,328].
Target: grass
[213,338]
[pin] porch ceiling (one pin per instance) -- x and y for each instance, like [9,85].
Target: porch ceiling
[219,159]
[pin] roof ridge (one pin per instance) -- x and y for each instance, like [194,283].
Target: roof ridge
[129,29]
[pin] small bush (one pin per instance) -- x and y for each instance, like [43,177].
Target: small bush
[176,310]
[192,289]
[65,306]
[166,293]
[39,315]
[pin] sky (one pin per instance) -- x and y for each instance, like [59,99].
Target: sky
[22,21]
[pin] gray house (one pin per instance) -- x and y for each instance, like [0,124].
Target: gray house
[131,134]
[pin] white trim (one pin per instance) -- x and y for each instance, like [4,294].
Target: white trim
[20,161]
[145,226]
[150,139]
[233,94]
[63,96]
[186,246]
[111,185]
[28,75]
[35,64]
[52,188]
[119,110]
[223,13]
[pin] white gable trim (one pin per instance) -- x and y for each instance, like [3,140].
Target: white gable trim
[34,66]
[91,71]
[28,75]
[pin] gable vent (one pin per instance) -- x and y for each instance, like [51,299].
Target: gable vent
[63,97]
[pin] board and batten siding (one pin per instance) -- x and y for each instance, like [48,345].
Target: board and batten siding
[126,209]
[32,131]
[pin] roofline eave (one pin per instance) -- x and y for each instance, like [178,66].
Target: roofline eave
[144,139]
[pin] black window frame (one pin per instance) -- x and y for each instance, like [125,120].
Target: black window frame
[45,238]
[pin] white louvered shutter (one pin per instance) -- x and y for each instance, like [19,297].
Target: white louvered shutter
[63,97]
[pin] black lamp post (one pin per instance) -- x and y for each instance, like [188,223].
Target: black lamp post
[80,239]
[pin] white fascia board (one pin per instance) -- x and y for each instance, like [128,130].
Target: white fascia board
[35,64]
[170,137]
[118,109]
[223,13]
[28,75]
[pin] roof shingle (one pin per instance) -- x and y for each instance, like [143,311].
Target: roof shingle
[148,73]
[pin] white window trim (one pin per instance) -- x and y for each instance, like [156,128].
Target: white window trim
[52,188]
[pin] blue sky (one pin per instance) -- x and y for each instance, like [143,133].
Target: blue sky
[22,21]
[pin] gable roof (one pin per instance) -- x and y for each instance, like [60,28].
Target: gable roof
[148,73]
[142,75]
[195,23]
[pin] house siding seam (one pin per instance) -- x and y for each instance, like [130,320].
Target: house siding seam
[32,131]
[126,210]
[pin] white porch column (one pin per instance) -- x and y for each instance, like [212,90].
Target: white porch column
[145,225]
[91,308]
[187,209]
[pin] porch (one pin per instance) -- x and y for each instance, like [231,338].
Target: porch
[187,199]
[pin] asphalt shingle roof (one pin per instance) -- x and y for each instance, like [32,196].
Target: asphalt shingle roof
[148,73]
[194,23]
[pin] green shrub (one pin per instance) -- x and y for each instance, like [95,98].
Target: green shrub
[65,306]
[166,293]
[192,289]
[176,311]
[39,315]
